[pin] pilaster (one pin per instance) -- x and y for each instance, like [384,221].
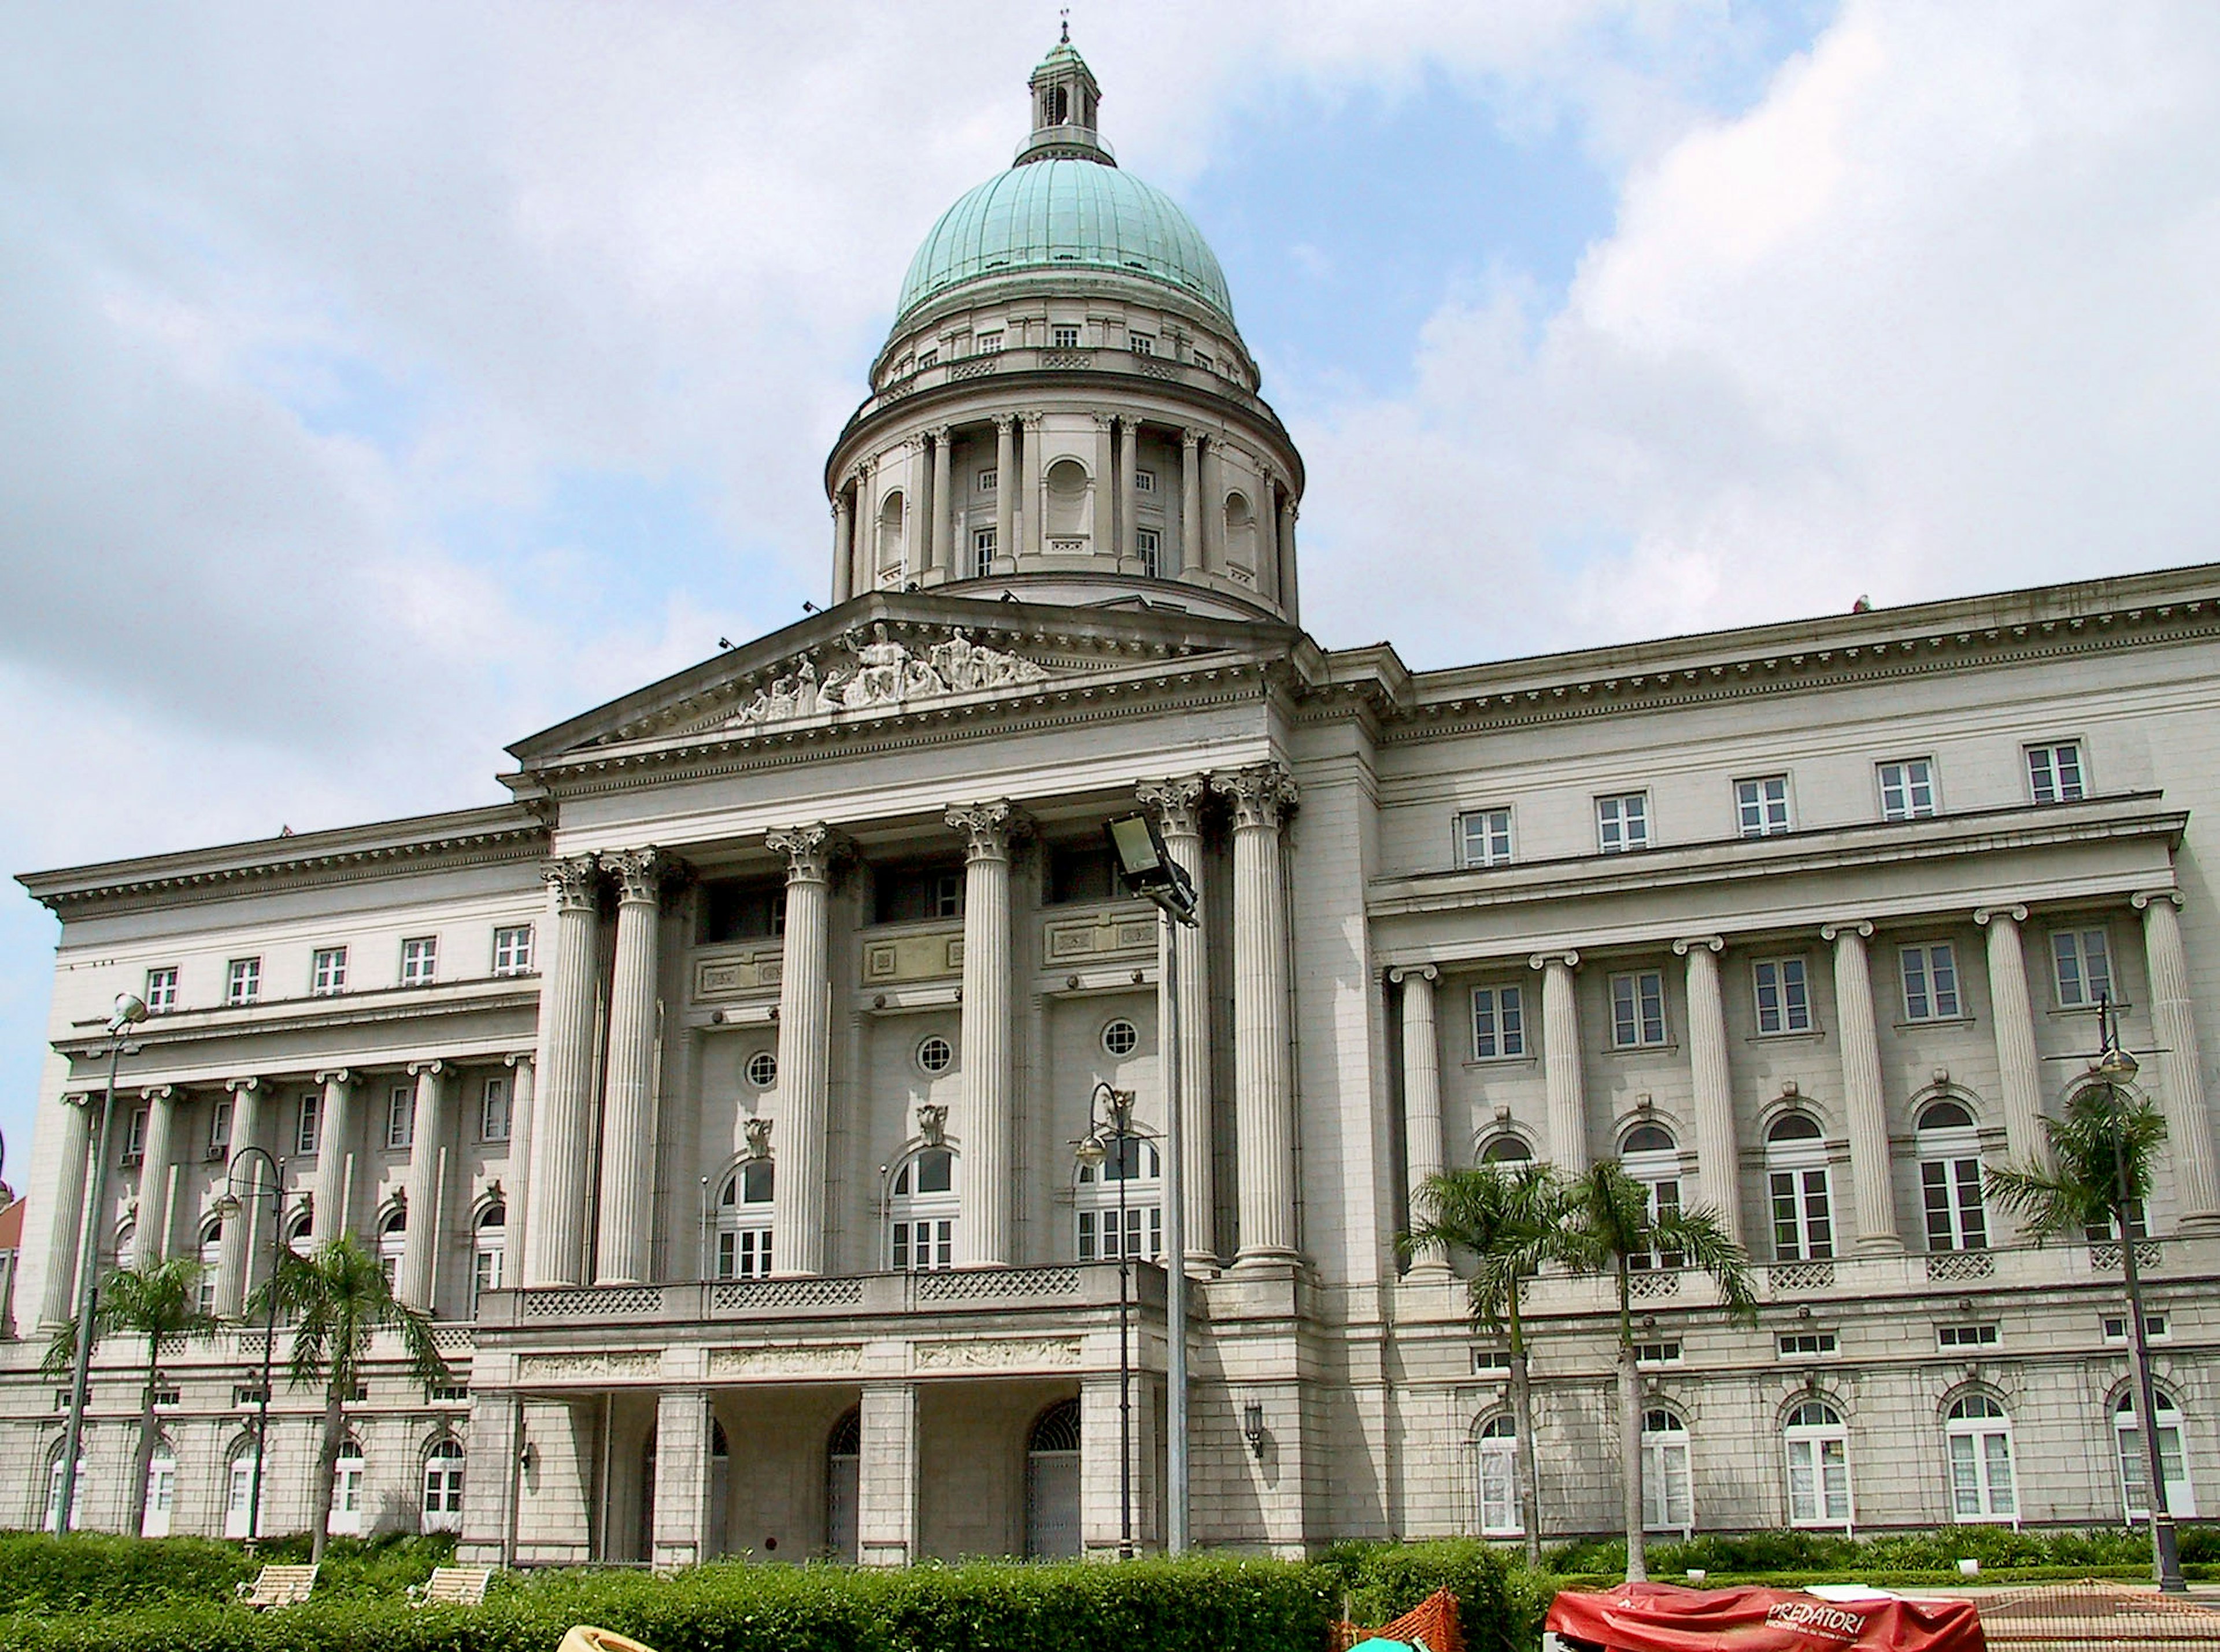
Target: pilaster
[246,1098]
[683,1490]
[886,1502]
[58,1298]
[2174,1018]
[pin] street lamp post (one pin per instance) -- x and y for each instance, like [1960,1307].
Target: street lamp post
[233,1206]
[129,1012]
[1114,1109]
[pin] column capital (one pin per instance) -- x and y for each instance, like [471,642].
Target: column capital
[940,433]
[1031,420]
[159,1093]
[574,879]
[520,1058]
[434,1066]
[1860,927]
[643,873]
[990,828]
[1263,794]
[1178,802]
[243,1086]
[810,850]
[2143,898]
[1190,440]
[1004,421]
[1103,420]
[2016,914]
[81,1100]
[1565,955]
[1688,944]
[1403,972]
[335,1075]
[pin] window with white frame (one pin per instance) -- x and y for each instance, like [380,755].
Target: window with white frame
[161,995]
[989,481]
[494,1111]
[1496,1445]
[242,981]
[1797,1185]
[346,1518]
[134,1136]
[1127,1187]
[512,950]
[1142,343]
[983,552]
[987,344]
[328,971]
[1977,1433]
[2134,1459]
[308,1120]
[743,1221]
[1668,1498]
[219,1141]
[1652,1158]
[1063,337]
[400,1118]
[1971,1334]
[2054,772]
[761,1068]
[1950,1178]
[1659,1353]
[1784,995]
[490,1253]
[1622,822]
[392,1239]
[1149,542]
[2156,1328]
[922,1212]
[211,1259]
[300,1232]
[1907,788]
[1498,1022]
[1638,1009]
[239,1493]
[2082,962]
[419,960]
[927,359]
[1818,1447]
[1144,481]
[443,1486]
[1761,806]
[161,1491]
[1807,1344]
[1484,837]
[1930,981]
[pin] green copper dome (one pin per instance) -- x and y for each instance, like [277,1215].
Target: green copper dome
[1065,213]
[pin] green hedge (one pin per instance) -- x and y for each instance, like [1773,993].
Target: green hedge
[85,1571]
[1999,1549]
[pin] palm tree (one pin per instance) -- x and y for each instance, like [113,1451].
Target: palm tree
[161,1302]
[336,1297]
[1512,1220]
[1618,1228]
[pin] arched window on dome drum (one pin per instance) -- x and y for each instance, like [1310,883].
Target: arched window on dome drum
[892,543]
[1818,1447]
[1798,1188]
[1240,532]
[1070,500]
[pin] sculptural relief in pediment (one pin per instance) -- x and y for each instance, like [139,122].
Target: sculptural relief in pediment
[883,674]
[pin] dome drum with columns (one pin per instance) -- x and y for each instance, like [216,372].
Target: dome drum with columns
[1064,407]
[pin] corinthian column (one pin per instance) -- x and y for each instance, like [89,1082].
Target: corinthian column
[232,1257]
[944,502]
[1562,1083]
[1006,485]
[1263,1088]
[2019,1082]
[555,1240]
[1178,804]
[983,1169]
[627,1193]
[58,1301]
[334,1147]
[434,1123]
[843,565]
[1036,507]
[805,1046]
[1422,1103]
[2174,1018]
[1191,556]
[1290,602]
[1863,1105]
[1129,464]
[1713,1087]
[150,1239]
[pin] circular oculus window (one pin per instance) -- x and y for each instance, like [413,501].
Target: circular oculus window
[762,1069]
[1121,1037]
[935,1054]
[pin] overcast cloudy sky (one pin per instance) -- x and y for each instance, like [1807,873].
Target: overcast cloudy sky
[382,383]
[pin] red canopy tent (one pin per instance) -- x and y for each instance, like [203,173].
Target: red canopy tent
[1662,1617]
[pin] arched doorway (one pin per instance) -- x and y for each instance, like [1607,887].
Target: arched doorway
[1052,1484]
[843,1456]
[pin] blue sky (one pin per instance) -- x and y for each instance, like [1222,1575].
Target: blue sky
[382,383]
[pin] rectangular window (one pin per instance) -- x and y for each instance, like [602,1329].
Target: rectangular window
[1622,822]
[2155,1328]
[1144,481]
[419,960]
[161,990]
[991,342]
[243,980]
[1202,361]
[1143,343]
[1761,806]
[1803,1215]
[1907,788]
[1657,1353]
[1806,1344]
[1930,983]
[1498,1022]
[1664,1201]
[927,359]
[1981,1335]
[493,1111]
[168,1397]
[1487,1360]
[512,950]
[400,1118]
[486,1276]
[306,1120]
[328,971]
[2083,962]
[1151,544]
[246,1395]
[1637,1010]
[134,1136]
[743,1253]
[219,1142]
[983,552]
[989,479]
[1063,338]
[945,898]
[2054,772]
[446,1394]
[1818,1478]
[1784,998]
[1484,838]
[1950,1189]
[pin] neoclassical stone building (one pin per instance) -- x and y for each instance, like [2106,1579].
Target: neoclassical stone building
[719,1094]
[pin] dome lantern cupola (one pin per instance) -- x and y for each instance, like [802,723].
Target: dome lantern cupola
[1065,101]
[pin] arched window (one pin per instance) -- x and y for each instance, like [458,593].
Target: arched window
[490,1257]
[1796,1179]
[161,1491]
[1496,1445]
[1506,1150]
[346,1518]
[392,1239]
[1052,1484]
[890,534]
[2134,1461]
[1650,1156]
[1131,1178]
[922,1212]
[211,1259]
[1950,1178]
[54,1494]
[1818,1466]
[744,1211]
[300,1233]
[239,1492]
[1059,106]
[1668,1502]
[443,1486]
[1240,531]
[1978,1434]
[1066,484]
[844,1454]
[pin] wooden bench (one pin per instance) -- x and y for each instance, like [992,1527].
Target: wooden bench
[278,1586]
[452,1586]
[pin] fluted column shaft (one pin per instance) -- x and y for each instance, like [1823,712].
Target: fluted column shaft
[1214,508]
[1128,506]
[1564,1090]
[943,501]
[150,1240]
[1263,1101]
[628,1191]
[431,1130]
[985,1168]
[232,1256]
[1191,556]
[2173,1019]
[58,1300]
[1423,1151]
[1036,504]
[844,550]
[1290,602]
[1179,805]
[1864,1107]
[2012,1010]
[1006,486]
[523,1104]
[1712,1082]
[554,1242]
[805,1047]
[1268,537]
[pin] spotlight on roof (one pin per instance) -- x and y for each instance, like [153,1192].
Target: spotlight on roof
[724,642]
[809,607]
